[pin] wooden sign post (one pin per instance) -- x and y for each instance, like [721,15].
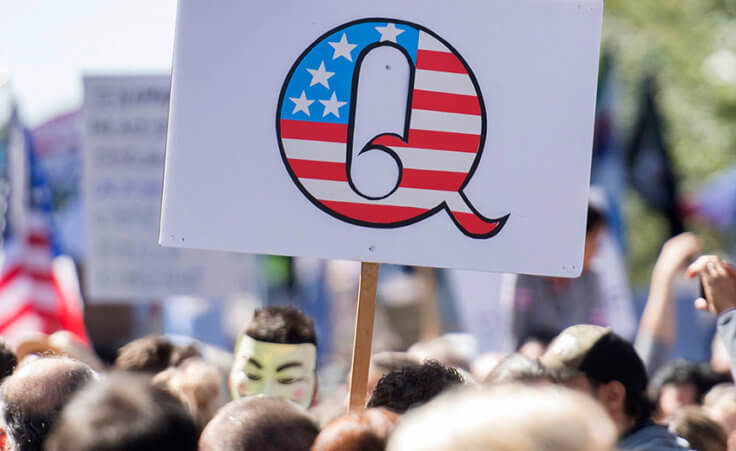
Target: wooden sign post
[363,336]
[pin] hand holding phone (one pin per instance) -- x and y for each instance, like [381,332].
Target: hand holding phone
[717,281]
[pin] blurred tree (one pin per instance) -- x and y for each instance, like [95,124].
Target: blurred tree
[690,47]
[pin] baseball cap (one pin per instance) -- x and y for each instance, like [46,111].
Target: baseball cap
[599,354]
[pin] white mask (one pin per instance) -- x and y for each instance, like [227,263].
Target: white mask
[274,369]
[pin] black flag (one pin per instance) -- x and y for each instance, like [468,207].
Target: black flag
[648,161]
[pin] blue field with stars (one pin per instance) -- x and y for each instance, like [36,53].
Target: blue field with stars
[319,89]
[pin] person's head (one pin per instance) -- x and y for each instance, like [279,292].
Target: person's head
[259,423]
[594,360]
[60,343]
[151,354]
[365,431]
[677,384]
[410,387]
[383,363]
[33,397]
[720,404]
[124,412]
[518,368]
[197,384]
[276,356]
[8,359]
[535,342]
[595,226]
[506,418]
[702,432]
[485,363]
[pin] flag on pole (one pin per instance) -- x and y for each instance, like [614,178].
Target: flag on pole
[38,290]
[608,170]
[650,168]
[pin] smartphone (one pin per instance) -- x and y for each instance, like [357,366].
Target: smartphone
[701,290]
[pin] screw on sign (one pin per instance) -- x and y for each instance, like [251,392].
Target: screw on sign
[437,153]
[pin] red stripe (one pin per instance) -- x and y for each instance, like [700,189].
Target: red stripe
[411,178]
[37,239]
[381,214]
[51,321]
[40,276]
[439,61]
[438,180]
[314,131]
[441,101]
[21,271]
[322,170]
[10,275]
[473,224]
[424,139]
[8,320]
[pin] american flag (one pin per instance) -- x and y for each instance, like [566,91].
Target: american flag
[38,289]
[445,132]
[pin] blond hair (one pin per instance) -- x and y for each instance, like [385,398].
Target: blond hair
[720,404]
[197,384]
[507,418]
[700,430]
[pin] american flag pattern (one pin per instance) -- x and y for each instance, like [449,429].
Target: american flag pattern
[39,290]
[443,141]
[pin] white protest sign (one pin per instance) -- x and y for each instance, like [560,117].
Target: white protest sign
[123,150]
[483,302]
[434,133]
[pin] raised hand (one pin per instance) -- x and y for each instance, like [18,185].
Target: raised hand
[718,278]
[676,253]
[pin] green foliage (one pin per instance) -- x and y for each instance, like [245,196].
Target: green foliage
[690,46]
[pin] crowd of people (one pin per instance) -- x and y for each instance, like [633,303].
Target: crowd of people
[583,388]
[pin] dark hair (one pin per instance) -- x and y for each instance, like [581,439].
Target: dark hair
[614,359]
[259,423]
[678,372]
[152,354]
[8,359]
[367,430]
[124,412]
[409,387]
[282,324]
[518,368]
[596,217]
[34,396]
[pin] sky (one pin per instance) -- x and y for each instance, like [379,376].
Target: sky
[46,46]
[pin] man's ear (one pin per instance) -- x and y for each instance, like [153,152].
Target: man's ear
[613,397]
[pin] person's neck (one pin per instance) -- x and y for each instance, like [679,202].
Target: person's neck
[625,424]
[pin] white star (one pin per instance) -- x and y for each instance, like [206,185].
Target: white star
[332,106]
[320,76]
[389,32]
[343,48]
[301,103]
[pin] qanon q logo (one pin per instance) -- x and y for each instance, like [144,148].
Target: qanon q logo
[437,153]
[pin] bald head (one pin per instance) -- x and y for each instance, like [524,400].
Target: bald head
[258,423]
[35,394]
